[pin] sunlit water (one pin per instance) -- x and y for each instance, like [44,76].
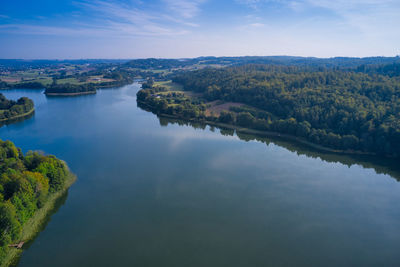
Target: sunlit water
[152,195]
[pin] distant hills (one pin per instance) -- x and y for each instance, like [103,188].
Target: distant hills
[341,62]
[161,63]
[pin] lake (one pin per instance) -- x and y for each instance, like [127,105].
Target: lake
[155,193]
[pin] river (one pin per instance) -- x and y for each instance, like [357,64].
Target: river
[155,193]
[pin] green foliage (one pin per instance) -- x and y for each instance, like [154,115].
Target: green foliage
[54,170]
[158,100]
[68,88]
[9,225]
[25,184]
[227,117]
[10,108]
[28,85]
[340,109]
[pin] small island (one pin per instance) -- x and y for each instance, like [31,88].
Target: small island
[29,187]
[70,89]
[11,110]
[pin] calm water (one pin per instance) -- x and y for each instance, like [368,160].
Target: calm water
[152,195]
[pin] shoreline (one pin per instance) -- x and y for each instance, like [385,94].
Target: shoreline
[33,226]
[108,86]
[18,116]
[266,133]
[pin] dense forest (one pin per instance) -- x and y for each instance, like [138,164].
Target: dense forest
[336,62]
[344,110]
[10,109]
[26,182]
[70,88]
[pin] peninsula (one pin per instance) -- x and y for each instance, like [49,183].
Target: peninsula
[353,110]
[29,187]
[11,110]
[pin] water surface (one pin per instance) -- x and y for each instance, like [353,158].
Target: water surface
[162,194]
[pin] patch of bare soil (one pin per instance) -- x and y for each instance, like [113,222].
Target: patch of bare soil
[216,108]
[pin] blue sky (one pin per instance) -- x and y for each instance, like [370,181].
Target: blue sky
[183,28]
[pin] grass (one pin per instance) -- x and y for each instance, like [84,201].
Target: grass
[69,80]
[175,87]
[26,76]
[35,224]
[171,86]
[45,81]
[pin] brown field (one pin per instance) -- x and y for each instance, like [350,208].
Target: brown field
[10,80]
[216,108]
[99,79]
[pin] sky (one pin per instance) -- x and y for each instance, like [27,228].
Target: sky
[122,29]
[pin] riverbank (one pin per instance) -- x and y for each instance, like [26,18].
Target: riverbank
[18,116]
[68,89]
[261,133]
[33,226]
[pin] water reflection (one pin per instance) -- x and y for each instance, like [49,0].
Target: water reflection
[150,195]
[17,120]
[381,165]
[57,205]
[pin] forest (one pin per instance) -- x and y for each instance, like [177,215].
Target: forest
[357,110]
[10,109]
[326,63]
[69,88]
[26,183]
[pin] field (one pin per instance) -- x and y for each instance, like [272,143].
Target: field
[216,107]
[44,75]
[26,76]
[213,108]
[171,86]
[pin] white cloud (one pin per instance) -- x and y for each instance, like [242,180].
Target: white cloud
[371,17]
[250,3]
[184,8]
[257,25]
[114,18]
[370,20]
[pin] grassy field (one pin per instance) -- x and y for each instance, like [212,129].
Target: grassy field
[213,108]
[27,76]
[174,87]
[45,81]
[171,86]
[69,80]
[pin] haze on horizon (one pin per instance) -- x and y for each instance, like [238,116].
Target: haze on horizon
[48,29]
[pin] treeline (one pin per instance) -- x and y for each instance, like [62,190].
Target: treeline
[120,78]
[391,70]
[328,63]
[387,166]
[25,85]
[26,182]
[159,63]
[339,109]
[10,109]
[158,100]
[68,88]
[22,64]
